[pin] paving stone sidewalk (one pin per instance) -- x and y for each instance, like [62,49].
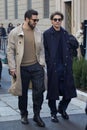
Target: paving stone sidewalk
[9,107]
[9,104]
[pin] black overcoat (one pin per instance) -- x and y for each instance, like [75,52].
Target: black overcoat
[67,85]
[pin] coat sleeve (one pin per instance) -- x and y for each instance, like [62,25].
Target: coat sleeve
[73,42]
[42,53]
[11,51]
[73,45]
[45,47]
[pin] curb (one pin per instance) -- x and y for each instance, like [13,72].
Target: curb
[82,95]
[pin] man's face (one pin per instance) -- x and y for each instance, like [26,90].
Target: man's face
[56,21]
[33,21]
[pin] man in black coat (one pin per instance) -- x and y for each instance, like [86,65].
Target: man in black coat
[2,33]
[59,46]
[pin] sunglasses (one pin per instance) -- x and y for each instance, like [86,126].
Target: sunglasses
[35,20]
[59,20]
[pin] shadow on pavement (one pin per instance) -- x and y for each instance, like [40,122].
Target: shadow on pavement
[76,122]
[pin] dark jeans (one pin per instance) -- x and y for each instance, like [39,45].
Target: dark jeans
[35,73]
[63,104]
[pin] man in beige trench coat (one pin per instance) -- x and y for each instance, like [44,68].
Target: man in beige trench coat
[25,53]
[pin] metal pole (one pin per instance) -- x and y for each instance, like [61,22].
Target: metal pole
[85,39]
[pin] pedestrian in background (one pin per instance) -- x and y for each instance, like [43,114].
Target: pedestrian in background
[79,36]
[26,60]
[18,24]
[2,35]
[58,54]
[2,31]
[10,27]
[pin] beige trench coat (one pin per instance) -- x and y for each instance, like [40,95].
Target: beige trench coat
[15,50]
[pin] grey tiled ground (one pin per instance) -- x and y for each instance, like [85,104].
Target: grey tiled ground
[9,108]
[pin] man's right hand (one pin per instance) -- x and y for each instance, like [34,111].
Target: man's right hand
[12,73]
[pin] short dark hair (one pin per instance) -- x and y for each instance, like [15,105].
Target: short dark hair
[29,13]
[56,13]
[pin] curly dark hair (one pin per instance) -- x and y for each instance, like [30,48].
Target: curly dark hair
[56,13]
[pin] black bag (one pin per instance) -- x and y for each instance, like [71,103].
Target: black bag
[73,45]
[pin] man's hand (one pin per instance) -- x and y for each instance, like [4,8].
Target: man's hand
[12,73]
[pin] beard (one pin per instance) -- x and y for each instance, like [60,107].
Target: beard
[31,26]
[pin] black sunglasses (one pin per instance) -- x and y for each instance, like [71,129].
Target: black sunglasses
[59,20]
[35,20]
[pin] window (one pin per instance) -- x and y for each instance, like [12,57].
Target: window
[16,8]
[29,4]
[46,8]
[6,9]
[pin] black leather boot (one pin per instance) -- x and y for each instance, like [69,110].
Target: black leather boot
[63,114]
[38,120]
[54,118]
[24,119]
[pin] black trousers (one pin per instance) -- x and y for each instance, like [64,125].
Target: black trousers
[63,104]
[35,73]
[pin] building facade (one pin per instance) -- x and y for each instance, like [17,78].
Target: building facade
[74,12]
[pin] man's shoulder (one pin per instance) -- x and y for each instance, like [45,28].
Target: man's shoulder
[13,30]
[16,30]
[37,30]
[64,30]
[47,31]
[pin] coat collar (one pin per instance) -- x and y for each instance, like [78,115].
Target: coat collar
[52,30]
[20,30]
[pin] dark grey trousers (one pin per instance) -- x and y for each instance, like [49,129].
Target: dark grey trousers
[63,104]
[35,73]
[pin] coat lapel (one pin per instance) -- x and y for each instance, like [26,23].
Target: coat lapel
[54,43]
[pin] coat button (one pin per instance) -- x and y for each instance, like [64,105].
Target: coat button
[66,56]
[65,64]
[64,71]
[20,42]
